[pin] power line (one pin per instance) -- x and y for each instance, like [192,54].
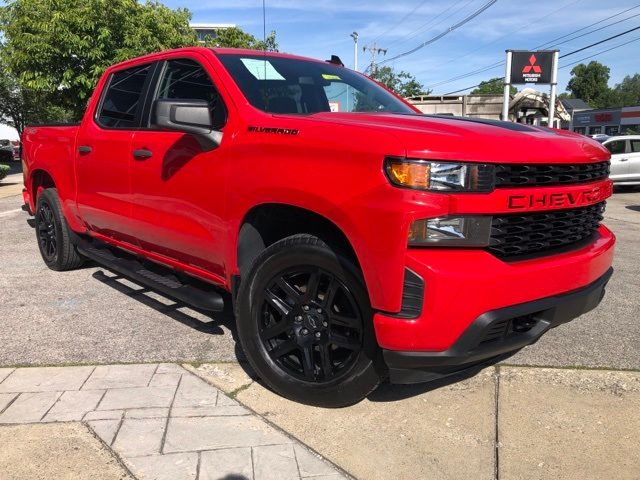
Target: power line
[465,20]
[420,5]
[498,64]
[430,22]
[601,41]
[588,26]
[563,66]
[600,53]
[510,33]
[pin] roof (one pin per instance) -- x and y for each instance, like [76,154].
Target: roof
[575,104]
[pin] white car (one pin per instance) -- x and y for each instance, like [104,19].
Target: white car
[625,159]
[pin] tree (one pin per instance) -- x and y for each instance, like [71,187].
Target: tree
[59,49]
[20,107]
[403,83]
[628,91]
[590,83]
[237,38]
[495,86]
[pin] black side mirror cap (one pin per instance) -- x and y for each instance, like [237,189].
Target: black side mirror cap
[188,116]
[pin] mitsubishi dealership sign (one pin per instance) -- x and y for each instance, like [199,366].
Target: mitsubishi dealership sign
[539,67]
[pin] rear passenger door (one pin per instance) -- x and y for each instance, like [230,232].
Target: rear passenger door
[619,160]
[634,159]
[103,156]
[177,187]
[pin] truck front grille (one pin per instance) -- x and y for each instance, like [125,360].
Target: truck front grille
[513,175]
[541,233]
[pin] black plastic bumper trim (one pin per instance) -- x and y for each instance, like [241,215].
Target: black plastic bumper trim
[470,350]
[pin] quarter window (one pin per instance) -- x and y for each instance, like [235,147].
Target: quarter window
[185,79]
[635,146]
[122,101]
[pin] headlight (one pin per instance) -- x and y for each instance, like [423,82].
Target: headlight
[440,176]
[466,231]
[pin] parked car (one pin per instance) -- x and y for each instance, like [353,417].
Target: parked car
[599,137]
[625,159]
[6,151]
[360,239]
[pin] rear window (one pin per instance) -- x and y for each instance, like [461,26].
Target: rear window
[294,86]
[122,102]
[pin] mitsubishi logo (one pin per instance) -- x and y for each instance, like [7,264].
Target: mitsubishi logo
[532,65]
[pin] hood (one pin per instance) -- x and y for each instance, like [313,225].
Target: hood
[475,140]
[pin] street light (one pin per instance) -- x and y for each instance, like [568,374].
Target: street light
[354,35]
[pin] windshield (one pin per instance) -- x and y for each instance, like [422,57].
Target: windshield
[293,86]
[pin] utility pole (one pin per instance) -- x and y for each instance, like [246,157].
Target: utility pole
[375,51]
[354,35]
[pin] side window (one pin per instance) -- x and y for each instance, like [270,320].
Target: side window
[122,101]
[635,146]
[185,79]
[616,147]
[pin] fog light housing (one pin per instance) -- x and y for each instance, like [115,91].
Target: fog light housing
[461,231]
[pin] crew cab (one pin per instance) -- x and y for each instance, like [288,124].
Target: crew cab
[360,240]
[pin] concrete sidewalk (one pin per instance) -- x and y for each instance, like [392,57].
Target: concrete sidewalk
[159,420]
[506,422]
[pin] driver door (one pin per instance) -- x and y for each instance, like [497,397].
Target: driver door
[177,187]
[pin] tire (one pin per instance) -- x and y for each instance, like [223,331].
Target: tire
[305,324]
[53,235]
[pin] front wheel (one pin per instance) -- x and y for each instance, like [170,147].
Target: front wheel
[305,323]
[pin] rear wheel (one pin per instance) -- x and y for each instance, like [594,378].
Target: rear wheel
[304,321]
[52,232]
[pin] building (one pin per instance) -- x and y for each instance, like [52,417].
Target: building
[526,106]
[204,30]
[608,121]
[573,105]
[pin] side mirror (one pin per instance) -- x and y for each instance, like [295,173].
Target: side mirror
[188,116]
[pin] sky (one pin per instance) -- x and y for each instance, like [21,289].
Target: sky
[321,28]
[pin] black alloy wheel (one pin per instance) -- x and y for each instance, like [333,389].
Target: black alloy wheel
[311,325]
[306,325]
[46,231]
[53,234]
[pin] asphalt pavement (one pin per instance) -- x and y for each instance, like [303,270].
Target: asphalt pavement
[91,316]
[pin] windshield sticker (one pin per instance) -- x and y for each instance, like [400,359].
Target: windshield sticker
[261,69]
[328,76]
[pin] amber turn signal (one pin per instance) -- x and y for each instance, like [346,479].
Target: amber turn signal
[409,174]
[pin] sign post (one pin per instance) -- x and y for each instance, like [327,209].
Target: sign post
[539,67]
[507,88]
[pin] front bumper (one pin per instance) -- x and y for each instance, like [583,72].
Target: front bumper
[495,335]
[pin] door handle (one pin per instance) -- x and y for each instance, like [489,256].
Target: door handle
[142,154]
[624,159]
[84,149]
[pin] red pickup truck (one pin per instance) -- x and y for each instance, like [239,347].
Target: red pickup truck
[360,240]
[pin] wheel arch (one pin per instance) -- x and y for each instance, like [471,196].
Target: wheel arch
[265,224]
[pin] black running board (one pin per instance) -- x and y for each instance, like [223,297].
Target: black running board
[167,284]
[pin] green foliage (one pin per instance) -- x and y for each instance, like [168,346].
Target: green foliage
[495,86]
[4,171]
[237,38]
[590,83]
[60,48]
[628,91]
[21,106]
[403,83]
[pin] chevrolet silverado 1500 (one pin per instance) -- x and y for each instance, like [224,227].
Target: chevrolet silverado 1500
[360,240]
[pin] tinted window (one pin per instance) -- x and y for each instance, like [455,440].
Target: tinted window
[635,146]
[293,86]
[616,147]
[122,101]
[185,79]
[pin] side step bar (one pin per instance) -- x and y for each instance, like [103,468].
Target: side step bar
[168,284]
